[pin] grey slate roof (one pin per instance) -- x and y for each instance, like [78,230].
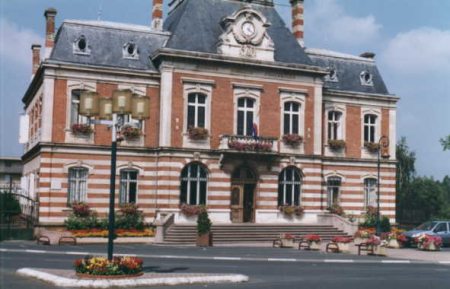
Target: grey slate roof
[106,41]
[348,69]
[195,26]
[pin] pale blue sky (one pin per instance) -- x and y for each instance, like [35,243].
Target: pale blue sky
[410,37]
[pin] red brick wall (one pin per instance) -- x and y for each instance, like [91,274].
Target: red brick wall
[59,110]
[353,131]
[152,124]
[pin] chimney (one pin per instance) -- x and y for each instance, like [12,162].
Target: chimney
[157,15]
[297,7]
[36,50]
[49,14]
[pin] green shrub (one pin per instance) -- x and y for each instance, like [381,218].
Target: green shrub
[203,223]
[9,206]
[129,221]
[81,223]
[385,225]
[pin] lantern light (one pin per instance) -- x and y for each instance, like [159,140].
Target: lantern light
[106,108]
[89,103]
[140,107]
[122,101]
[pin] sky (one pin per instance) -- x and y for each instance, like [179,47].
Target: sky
[411,39]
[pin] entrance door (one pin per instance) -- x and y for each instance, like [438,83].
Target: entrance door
[243,196]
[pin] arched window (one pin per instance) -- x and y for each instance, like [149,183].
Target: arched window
[77,185]
[194,180]
[196,111]
[245,116]
[289,186]
[370,192]
[333,189]
[291,117]
[334,125]
[128,186]
[370,124]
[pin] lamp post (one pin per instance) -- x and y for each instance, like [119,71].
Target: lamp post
[111,111]
[383,152]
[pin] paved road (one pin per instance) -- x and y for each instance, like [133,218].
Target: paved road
[311,270]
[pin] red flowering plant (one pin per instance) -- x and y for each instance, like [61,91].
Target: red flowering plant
[292,139]
[426,241]
[197,133]
[101,266]
[288,236]
[250,146]
[402,239]
[374,240]
[364,233]
[129,209]
[81,209]
[130,132]
[342,239]
[191,210]
[312,238]
[81,129]
[290,211]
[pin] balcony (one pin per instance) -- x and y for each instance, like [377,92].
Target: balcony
[248,144]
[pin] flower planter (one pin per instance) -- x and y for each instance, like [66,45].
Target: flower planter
[205,240]
[430,247]
[287,243]
[103,277]
[359,240]
[379,250]
[343,247]
[315,246]
[393,244]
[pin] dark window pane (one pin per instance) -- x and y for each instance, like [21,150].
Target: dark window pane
[280,194]
[192,97]
[335,130]
[250,103]
[289,174]
[249,123]
[203,173]
[193,193]
[286,124]
[297,195]
[183,193]
[241,102]
[295,124]
[132,193]
[201,117]
[296,176]
[194,170]
[240,123]
[288,194]
[366,133]
[201,98]
[191,116]
[202,193]
[287,106]
[295,106]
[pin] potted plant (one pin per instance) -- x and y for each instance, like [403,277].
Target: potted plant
[336,209]
[287,240]
[342,243]
[336,144]
[291,211]
[378,246]
[314,241]
[130,132]
[429,243]
[191,210]
[372,147]
[81,129]
[204,235]
[362,236]
[293,140]
[198,133]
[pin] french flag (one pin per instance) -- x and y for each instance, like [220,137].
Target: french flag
[255,130]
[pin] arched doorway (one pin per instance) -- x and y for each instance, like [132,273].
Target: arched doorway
[243,185]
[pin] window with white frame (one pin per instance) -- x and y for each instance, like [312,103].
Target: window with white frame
[77,185]
[334,125]
[128,186]
[75,117]
[289,186]
[370,126]
[196,110]
[245,116]
[333,189]
[194,180]
[370,192]
[291,117]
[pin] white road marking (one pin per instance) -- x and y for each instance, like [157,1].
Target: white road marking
[338,261]
[396,261]
[281,260]
[36,251]
[228,258]
[77,253]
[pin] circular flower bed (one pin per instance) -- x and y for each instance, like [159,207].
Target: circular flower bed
[101,267]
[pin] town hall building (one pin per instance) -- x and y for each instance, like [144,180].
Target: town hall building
[243,117]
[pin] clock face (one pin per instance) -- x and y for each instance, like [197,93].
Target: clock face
[248,28]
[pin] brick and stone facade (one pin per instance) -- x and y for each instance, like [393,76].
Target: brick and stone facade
[314,84]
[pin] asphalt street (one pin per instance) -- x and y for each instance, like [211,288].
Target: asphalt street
[266,267]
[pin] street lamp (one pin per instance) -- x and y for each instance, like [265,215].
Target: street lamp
[383,152]
[110,111]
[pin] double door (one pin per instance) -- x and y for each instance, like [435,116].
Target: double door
[243,203]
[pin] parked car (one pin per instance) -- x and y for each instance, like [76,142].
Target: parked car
[434,228]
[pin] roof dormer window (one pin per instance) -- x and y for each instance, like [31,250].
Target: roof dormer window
[130,51]
[332,75]
[366,78]
[80,46]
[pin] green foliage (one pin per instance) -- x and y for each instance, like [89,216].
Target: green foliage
[81,223]
[445,142]
[385,225]
[129,217]
[370,218]
[203,223]
[9,206]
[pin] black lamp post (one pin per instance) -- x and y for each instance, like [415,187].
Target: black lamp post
[383,152]
[111,111]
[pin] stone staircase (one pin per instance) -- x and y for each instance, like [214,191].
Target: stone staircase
[247,233]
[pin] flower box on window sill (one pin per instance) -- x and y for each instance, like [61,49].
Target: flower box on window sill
[292,139]
[250,146]
[81,130]
[191,210]
[336,144]
[372,147]
[291,211]
[198,133]
[131,133]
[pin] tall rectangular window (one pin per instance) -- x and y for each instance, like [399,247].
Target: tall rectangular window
[75,117]
[128,186]
[77,185]
[334,125]
[196,110]
[333,188]
[370,121]
[370,192]
[291,118]
[245,116]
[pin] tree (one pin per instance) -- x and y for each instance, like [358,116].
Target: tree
[405,174]
[445,142]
